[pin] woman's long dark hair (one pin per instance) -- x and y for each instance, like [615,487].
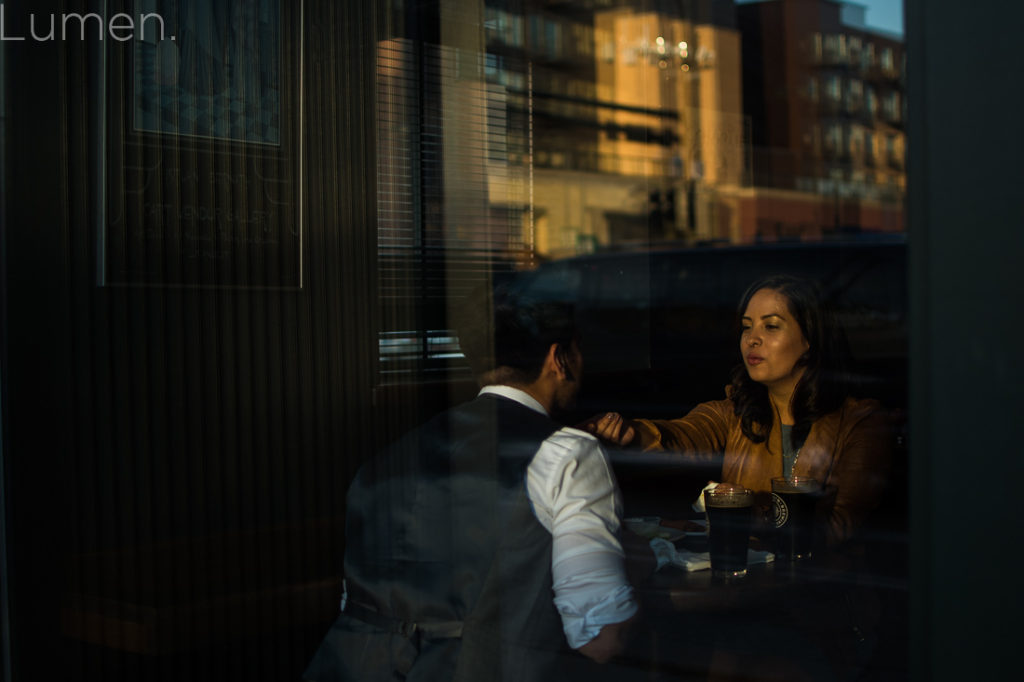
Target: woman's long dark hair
[825,381]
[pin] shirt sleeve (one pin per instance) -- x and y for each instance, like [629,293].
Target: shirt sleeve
[575,496]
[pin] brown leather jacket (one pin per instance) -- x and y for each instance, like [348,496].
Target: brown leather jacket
[849,450]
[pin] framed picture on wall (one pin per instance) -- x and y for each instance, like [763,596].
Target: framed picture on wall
[199,116]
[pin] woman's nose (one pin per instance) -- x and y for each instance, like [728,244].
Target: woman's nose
[753,339]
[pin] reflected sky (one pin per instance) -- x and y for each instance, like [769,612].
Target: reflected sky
[886,15]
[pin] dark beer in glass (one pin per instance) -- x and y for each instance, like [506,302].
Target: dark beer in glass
[793,503]
[729,523]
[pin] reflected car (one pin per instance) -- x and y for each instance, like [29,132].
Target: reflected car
[659,327]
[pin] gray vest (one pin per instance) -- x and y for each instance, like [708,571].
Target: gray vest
[447,568]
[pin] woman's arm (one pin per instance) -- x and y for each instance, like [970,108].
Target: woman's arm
[860,472]
[704,431]
[701,432]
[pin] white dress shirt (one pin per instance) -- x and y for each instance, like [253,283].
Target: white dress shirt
[575,497]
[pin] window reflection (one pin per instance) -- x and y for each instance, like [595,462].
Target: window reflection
[516,132]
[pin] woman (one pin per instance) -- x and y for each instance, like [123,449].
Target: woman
[786,410]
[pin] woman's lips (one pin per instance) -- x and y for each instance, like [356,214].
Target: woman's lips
[754,359]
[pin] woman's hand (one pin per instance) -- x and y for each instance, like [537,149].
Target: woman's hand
[612,427]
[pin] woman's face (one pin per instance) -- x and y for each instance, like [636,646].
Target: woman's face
[772,342]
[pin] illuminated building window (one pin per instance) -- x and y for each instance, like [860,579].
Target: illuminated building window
[832,52]
[605,43]
[583,40]
[855,49]
[888,61]
[503,27]
[833,138]
[629,56]
[854,95]
[856,142]
[891,106]
[836,48]
[833,87]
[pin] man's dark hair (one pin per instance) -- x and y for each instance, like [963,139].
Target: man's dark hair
[506,337]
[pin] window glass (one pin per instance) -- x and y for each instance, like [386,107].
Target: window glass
[644,162]
[300,195]
[620,127]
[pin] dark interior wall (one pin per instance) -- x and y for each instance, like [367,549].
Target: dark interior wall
[967,291]
[169,446]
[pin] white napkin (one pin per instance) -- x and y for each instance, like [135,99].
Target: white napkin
[667,554]
[698,504]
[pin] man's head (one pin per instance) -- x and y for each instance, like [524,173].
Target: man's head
[522,342]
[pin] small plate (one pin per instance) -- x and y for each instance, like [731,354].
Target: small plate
[650,527]
[688,526]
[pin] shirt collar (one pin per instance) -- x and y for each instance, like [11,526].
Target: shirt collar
[516,394]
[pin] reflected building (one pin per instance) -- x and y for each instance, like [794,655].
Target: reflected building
[826,99]
[639,123]
[511,132]
[631,123]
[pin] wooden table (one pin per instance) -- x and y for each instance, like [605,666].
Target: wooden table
[824,606]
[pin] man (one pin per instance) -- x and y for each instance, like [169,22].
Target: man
[484,544]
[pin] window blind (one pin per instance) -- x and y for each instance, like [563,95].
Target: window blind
[453,198]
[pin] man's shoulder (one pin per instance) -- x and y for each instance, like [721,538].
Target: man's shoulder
[572,434]
[570,449]
[569,441]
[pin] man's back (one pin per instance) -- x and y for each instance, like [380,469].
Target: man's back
[441,533]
